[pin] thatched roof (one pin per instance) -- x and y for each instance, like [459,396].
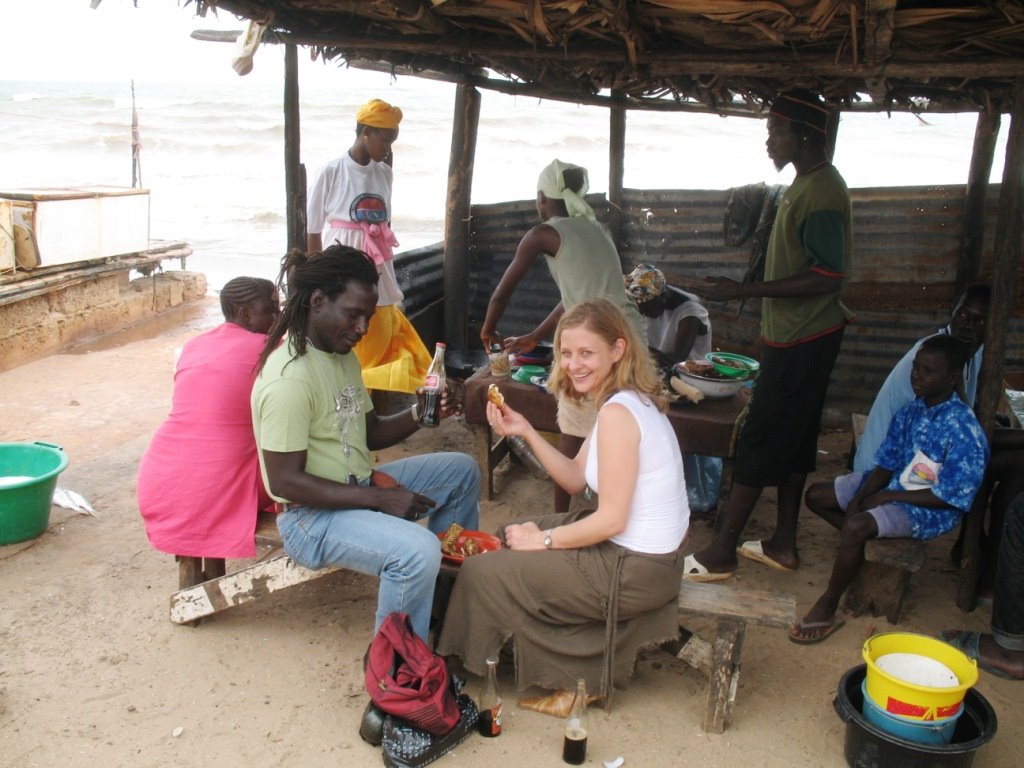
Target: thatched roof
[719,55]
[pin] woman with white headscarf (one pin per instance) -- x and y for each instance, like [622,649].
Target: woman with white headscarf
[585,265]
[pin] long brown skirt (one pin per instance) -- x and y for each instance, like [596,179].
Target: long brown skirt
[557,607]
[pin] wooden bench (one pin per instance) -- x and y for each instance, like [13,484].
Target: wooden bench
[733,608]
[203,592]
[883,580]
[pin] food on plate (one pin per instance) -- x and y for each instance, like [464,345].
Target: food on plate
[688,391]
[450,537]
[702,369]
[730,363]
[454,544]
[495,396]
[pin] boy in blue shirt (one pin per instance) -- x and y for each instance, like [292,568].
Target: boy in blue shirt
[927,471]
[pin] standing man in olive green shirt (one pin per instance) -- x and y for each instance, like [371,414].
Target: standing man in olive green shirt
[802,321]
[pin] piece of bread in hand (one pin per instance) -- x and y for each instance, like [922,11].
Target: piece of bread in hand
[495,396]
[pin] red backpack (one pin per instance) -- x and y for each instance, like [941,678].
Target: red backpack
[408,680]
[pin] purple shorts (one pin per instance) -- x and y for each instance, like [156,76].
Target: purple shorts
[892,519]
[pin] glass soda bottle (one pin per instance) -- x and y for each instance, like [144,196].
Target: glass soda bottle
[489,723]
[574,748]
[433,387]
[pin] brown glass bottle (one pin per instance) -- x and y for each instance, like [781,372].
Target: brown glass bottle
[574,746]
[489,723]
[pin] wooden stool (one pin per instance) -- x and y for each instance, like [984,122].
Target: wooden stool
[196,570]
[733,608]
[882,582]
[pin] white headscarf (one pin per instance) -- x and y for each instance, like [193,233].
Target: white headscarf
[552,184]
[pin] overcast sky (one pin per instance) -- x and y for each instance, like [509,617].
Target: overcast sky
[67,40]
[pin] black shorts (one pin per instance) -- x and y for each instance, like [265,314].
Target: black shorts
[780,433]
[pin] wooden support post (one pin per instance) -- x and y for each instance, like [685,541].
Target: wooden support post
[1006,265]
[457,217]
[725,675]
[831,135]
[294,176]
[972,234]
[616,168]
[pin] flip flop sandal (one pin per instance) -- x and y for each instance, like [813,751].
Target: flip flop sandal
[693,570]
[968,643]
[828,629]
[754,550]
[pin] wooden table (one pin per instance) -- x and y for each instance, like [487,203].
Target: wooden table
[707,428]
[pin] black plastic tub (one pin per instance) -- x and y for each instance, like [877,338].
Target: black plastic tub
[867,746]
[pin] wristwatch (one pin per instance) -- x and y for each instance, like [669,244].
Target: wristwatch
[547,538]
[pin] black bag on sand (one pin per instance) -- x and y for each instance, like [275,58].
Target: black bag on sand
[406,746]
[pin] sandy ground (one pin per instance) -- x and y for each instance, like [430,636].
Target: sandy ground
[92,673]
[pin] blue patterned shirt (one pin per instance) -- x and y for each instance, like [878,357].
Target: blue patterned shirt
[942,449]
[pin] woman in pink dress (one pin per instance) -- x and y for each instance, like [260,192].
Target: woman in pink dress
[199,485]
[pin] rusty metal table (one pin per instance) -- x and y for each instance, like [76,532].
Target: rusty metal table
[707,428]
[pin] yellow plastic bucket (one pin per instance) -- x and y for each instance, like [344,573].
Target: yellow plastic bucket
[909,700]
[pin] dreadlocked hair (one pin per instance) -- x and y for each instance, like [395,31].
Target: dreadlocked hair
[239,291]
[330,271]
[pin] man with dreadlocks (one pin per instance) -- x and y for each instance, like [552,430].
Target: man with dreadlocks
[216,515]
[315,427]
[808,259]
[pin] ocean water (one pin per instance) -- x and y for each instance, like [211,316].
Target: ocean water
[213,154]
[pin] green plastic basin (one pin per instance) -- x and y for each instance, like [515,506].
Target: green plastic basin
[28,478]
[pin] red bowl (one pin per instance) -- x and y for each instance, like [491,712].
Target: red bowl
[486,542]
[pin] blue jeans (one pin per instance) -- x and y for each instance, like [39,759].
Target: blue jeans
[405,556]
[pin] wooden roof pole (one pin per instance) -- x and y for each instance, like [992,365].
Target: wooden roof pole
[294,173]
[1006,267]
[972,236]
[457,216]
[616,168]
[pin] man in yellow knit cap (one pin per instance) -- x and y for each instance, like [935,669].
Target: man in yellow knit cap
[349,202]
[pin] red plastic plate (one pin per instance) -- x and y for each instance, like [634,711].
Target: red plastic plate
[487,542]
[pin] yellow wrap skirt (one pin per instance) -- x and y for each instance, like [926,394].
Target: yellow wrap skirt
[392,355]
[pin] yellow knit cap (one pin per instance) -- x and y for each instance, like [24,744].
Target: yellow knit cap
[379,114]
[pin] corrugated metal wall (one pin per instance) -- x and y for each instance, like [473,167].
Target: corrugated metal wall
[906,245]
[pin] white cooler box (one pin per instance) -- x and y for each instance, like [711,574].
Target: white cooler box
[65,225]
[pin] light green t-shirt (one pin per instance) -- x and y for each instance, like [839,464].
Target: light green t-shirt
[587,266]
[315,403]
[813,230]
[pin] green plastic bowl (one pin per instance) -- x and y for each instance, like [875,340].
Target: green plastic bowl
[524,373]
[742,366]
[25,503]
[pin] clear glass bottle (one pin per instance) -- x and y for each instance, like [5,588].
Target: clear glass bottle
[489,723]
[574,747]
[433,387]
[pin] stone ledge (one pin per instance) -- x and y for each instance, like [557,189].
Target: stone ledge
[47,324]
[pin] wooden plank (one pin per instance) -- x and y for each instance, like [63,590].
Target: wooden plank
[240,587]
[769,609]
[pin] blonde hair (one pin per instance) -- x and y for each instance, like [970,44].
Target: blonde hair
[634,371]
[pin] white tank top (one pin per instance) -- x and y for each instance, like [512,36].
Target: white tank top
[659,515]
